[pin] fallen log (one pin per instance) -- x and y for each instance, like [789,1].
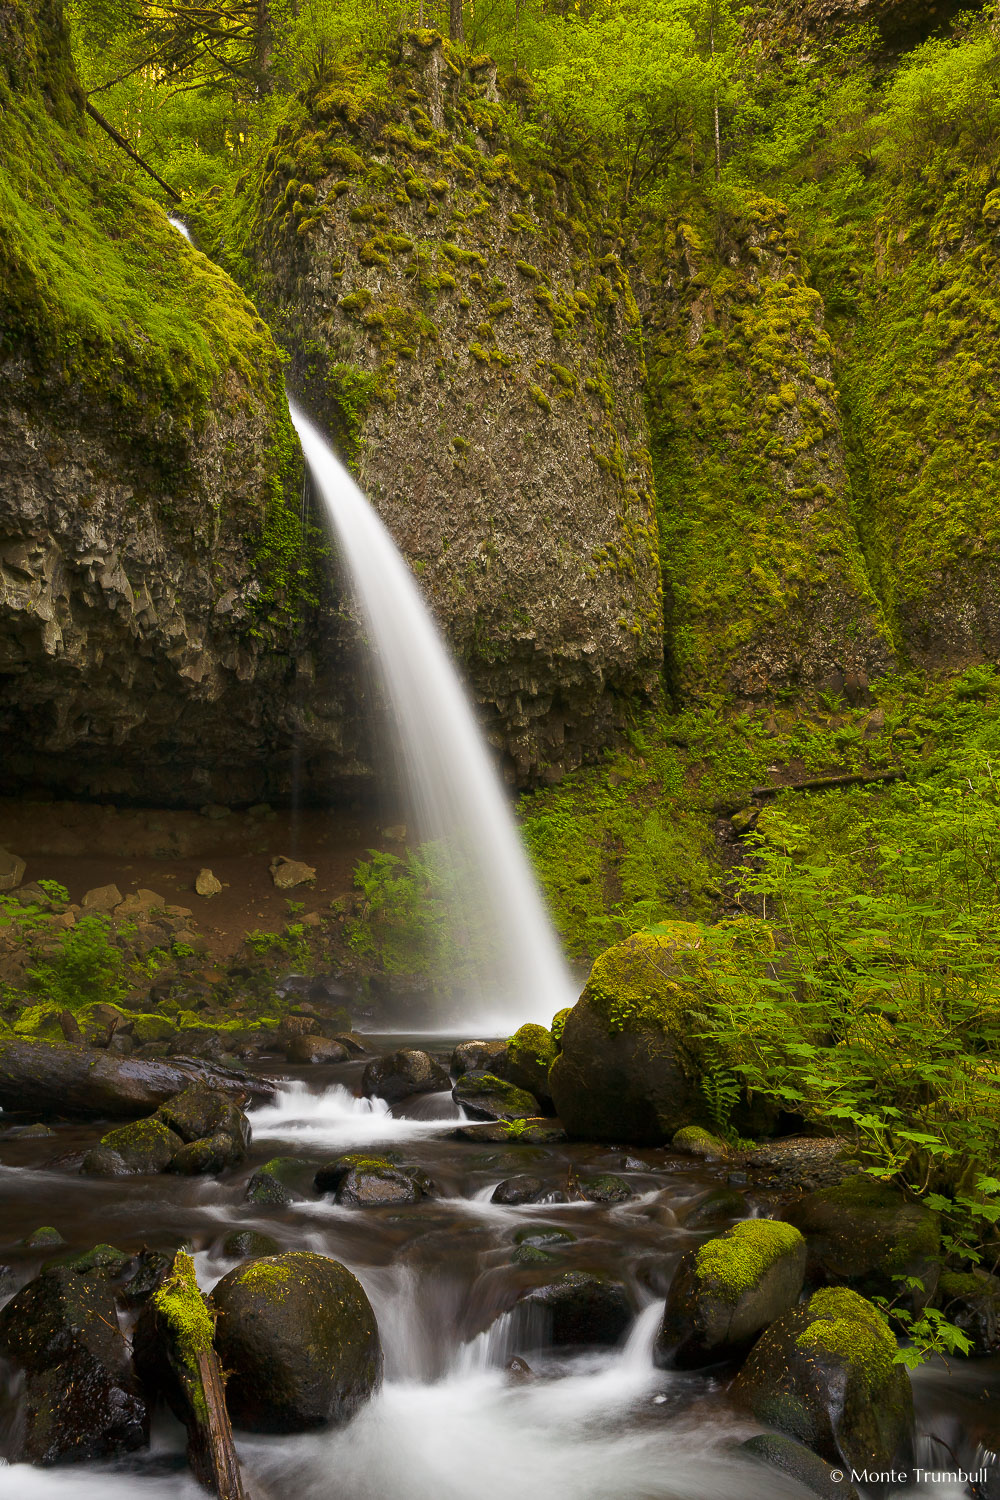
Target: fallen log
[176,1356]
[56,1078]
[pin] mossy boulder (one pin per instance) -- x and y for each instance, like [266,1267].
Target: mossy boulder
[605,1187]
[716,1208]
[197,1112]
[865,1234]
[309,1049]
[40,1022]
[695,1140]
[579,1308]
[359,1181]
[247,1244]
[514,1191]
[630,1064]
[402,1074]
[207,1156]
[278,1183]
[80,1398]
[530,1054]
[486,1097]
[726,1291]
[825,1373]
[301,1340]
[141,1146]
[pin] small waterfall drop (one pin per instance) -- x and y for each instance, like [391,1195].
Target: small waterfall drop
[513,969]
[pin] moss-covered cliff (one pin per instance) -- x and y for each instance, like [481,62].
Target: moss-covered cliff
[468,333]
[150,546]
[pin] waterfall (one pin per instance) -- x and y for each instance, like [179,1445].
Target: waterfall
[511,969]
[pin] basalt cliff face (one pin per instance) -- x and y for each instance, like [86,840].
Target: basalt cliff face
[471,340]
[151,586]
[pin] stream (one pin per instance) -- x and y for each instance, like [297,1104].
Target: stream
[452,1421]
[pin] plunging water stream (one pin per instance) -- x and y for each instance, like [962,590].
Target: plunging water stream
[498,932]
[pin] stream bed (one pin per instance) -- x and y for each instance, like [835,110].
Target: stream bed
[453,1420]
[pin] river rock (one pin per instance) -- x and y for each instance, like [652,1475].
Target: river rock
[81,1399]
[604,1188]
[799,1462]
[142,1146]
[725,1292]
[310,1048]
[824,1373]
[476,1057]
[198,1112]
[401,1074]
[360,1181]
[288,873]
[246,1244]
[695,1140]
[12,869]
[102,898]
[211,1154]
[529,1055]
[275,1184]
[207,884]
[581,1308]
[300,1337]
[59,1078]
[486,1097]
[716,1208]
[630,1058]
[517,1190]
[865,1234]
[532,1132]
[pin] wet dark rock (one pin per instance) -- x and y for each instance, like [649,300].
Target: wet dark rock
[716,1208]
[799,1463]
[143,1145]
[353,1044]
[402,1074]
[276,1183]
[581,1308]
[213,1153]
[727,1290]
[544,1234]
[518,1371]
[476,1057]
[100,1161]
[529,1055]
[532,1255]
[199,1112]
[971,1300]
[58,1078]
[865,1234]
[107,1259]
[523,1190]
[150,1267]
[81,1399]
[486,1097]
[244,1244]
[824,1373]
[604,1188]
[360,1181]
[300,1337]
[28,1132]
[312,1048]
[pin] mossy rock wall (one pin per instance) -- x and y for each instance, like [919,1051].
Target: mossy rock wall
[150,548]
[469,336]
[766,584]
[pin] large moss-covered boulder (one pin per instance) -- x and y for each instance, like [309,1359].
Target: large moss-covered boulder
[725,1292]
[141,1146]
[530,1054]
[467,331]
[301,1340]
[630,1064]
[80,1398]
[867,1235]
[360,1181]
[825,1373]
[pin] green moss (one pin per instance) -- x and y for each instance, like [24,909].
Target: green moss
[734,1263]
[40,1021]
[695,1140]
[532,1045]
[848,1327]
[182,1307]
[643,981]
[559,1024]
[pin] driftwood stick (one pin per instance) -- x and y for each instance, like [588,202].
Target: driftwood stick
[211,1450]
[120,140]
[829,783]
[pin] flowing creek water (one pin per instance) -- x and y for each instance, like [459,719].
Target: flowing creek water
[444,1276]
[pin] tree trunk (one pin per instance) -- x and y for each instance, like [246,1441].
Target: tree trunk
[263,38]
[56,1078]
[456,23]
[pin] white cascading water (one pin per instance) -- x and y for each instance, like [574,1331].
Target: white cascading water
[513,969]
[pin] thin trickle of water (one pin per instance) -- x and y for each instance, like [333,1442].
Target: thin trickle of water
[512,967]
